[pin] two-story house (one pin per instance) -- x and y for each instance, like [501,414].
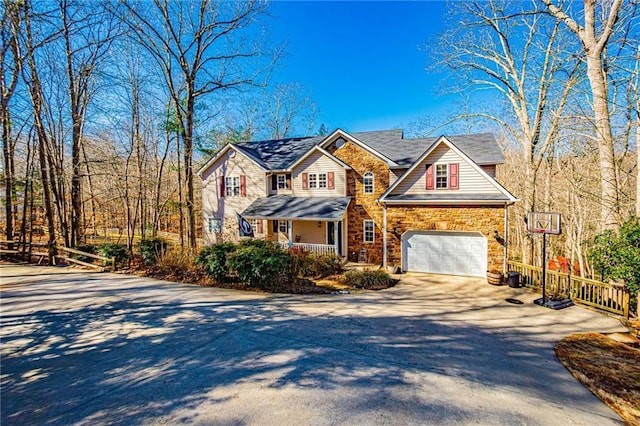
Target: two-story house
[425,205]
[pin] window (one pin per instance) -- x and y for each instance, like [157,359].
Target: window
[369,232]
[215,225]
[322,180]
[441,176]
[232,186]
[282,226]
[282,182]
[367,183]
[317,180]
[254,225]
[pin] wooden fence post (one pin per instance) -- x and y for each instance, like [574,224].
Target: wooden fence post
[113,264]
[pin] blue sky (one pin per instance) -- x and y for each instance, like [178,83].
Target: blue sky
[363,62]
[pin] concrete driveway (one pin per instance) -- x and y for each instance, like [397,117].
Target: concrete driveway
[81,347]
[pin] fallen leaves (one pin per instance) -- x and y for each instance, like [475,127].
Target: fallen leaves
[608,368]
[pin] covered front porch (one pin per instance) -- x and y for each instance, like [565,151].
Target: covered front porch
[315,224]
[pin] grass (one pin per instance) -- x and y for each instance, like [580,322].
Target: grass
[608,368]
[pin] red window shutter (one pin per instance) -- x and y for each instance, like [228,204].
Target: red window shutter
[243,186]
[453,176]
[429,176]
[222,186]
[274,182]
[305,181]
[330,180]
[260,229]
[288,179]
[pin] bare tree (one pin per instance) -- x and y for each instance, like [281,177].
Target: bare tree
[10,65]
[520,55]
[595,35]
[87,32]
[199,50]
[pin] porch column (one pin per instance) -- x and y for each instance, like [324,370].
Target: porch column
[335,237]
[290,232]
[384,235]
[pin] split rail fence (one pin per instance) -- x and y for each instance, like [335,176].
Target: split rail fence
[609,297]
[28,251]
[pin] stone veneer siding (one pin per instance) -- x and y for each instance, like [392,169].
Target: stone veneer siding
[483,219]
[363,206]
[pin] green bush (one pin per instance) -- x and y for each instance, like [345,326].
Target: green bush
[88,248]
[321,266]
[214,260]
[371,280]
[151,250]
[260,263]
[119,251]
[617,255]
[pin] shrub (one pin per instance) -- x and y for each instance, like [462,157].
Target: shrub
[617,255]
[214,260]
[119,251]
[176,265]
[88,248]
[260,263]
[151,250]
[320,266]
[372,280]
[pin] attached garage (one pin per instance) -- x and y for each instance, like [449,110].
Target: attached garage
[445,252]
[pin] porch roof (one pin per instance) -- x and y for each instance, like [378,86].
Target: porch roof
[286,207]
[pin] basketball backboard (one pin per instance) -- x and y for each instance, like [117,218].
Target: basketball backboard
[543,222]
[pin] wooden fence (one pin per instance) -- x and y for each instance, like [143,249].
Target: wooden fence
[613,298]
[29,251]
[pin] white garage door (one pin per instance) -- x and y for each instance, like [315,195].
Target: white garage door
[445,252]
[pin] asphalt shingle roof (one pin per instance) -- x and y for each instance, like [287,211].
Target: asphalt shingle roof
[288,207]
[282,153]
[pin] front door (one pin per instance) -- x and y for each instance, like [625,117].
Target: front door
[330,235]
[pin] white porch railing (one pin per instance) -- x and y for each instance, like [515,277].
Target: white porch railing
[320,249]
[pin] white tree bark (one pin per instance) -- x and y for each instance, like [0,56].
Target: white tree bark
[594,46]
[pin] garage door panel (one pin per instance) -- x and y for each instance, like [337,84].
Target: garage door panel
[455,253]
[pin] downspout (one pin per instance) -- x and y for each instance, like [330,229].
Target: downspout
[506,236]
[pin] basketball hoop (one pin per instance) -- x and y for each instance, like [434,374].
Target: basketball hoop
[543,223]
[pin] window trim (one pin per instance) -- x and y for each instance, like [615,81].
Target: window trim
[365,177]
[231,186]
[281,182]
[436,177]
[372,231]
[211,228]
[317,180]
[322,181]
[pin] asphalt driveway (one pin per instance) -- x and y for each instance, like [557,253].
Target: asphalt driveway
[81,347]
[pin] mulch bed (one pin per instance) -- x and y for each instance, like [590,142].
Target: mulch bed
[608,368]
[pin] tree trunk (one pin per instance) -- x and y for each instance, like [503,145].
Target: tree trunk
[610,214]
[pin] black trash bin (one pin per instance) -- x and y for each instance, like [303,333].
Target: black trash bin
[513,278]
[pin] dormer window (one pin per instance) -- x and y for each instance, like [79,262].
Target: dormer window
[367,183]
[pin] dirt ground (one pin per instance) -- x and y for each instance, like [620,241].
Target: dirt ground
[609,367]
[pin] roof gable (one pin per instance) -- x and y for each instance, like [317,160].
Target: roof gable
[339,133]
[318,149]
[456,155]
[220,154]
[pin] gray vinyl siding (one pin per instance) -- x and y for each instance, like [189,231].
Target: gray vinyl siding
[319,163]
[470,180]
[489,169]
[227,206]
